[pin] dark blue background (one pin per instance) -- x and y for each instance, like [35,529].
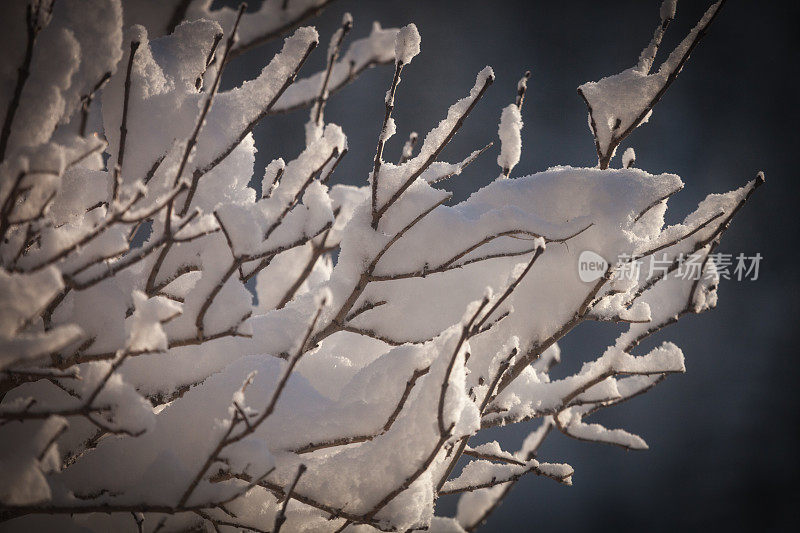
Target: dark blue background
[723,436]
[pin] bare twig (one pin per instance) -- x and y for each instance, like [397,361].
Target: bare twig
[389,103]
[377,214]
[322,99]
[123,125]
[86,103]
[33,28]
[280,518]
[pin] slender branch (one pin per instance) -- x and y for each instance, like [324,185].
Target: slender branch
[389,103]
[151,280]
[178,15]
[322,99]
[657,202]
[311,12]
[200,172]
[86,103]
[198,83]
[123,126]
[522,88]
[207,107]
[434,154]
[508,486]
[413,477]
[299,194]
[280,518]
[511,287]
[465,333]
[339,320]
[605,157]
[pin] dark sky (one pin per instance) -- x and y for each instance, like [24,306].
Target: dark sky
[723,437]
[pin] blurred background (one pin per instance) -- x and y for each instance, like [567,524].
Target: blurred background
[723,437]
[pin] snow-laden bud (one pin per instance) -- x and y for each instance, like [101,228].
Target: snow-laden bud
[628,158]
[406,45]
[510,133]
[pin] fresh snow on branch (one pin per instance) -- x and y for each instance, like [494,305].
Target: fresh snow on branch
[143,385]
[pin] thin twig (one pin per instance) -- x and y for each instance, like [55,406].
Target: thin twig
[280,518]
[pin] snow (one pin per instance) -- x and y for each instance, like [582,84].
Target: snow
[597,433]
[668,8]
[628,158]
[25,460]
[393,177]
[624,101]
[509,131]
[369,352]
[406,45]
[377,48]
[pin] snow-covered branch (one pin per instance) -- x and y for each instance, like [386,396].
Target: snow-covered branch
[145,382]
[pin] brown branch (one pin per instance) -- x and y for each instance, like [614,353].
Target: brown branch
[280,518]
[116,216]
[492,457]
[275,180]
[276,394]
[715,236]
[288,207]
[511,287]
[389,103]
[414,175]
[343,441]
[278,491]
[200,172]
[322,99]
[123,126]
[151,280]
[464,164]
[677,240]
[338,321]
[604,159]
[33,28]
[8,206]
[507,488]
[367,306]
[317,250]
[466,330]
[334,165]
[311,12]
[657,202]
[413,477]
[128,261]
[522,88]
[198,83]
[333,443]
[201,314]
[178,15]
[494,482]
[206,108]
[86,103]
[227,523]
